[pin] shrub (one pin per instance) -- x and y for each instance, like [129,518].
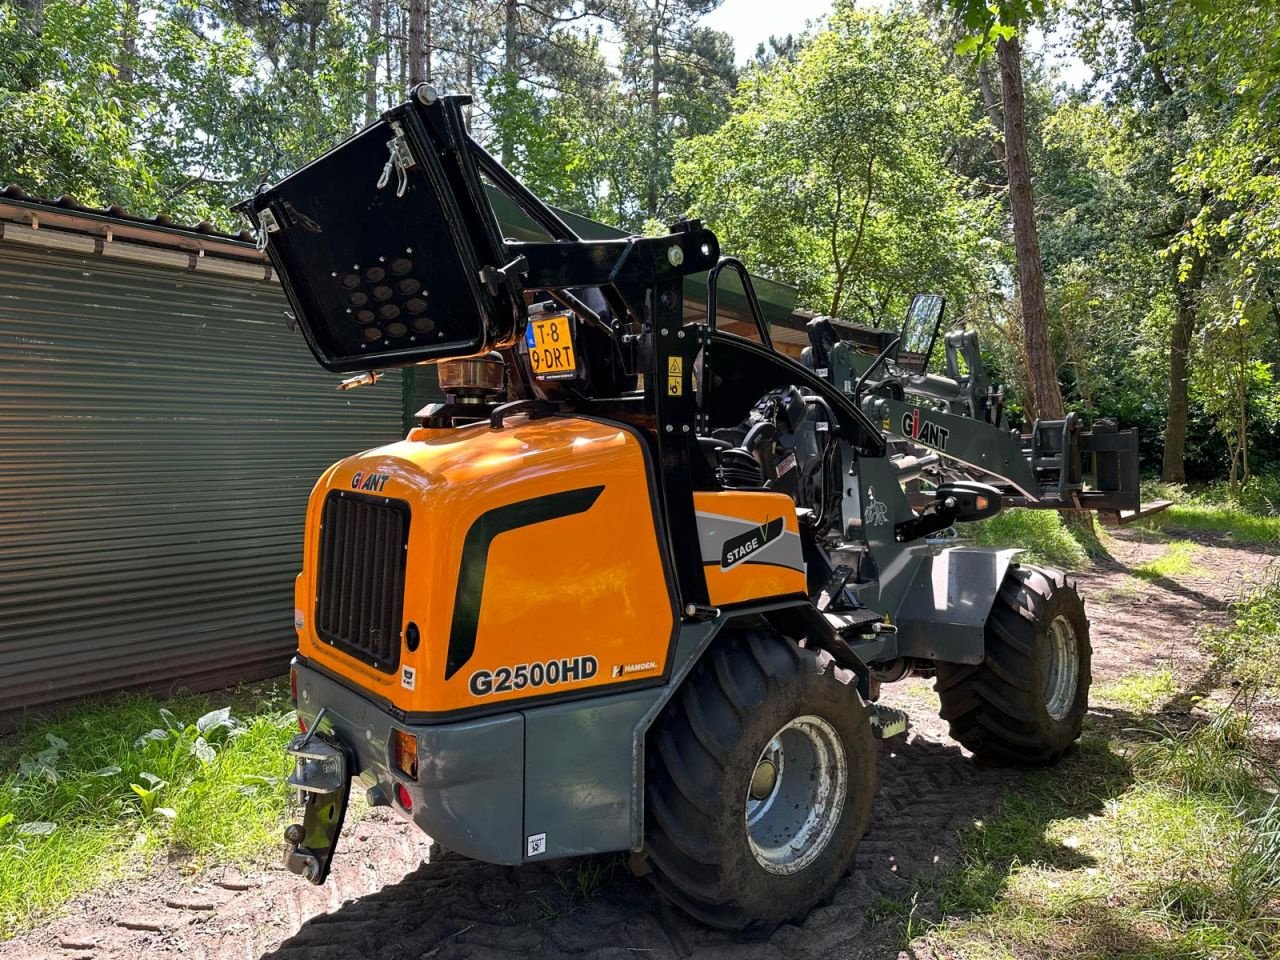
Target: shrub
[1042,534]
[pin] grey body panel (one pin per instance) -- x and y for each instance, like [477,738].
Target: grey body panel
[470,774]
[573,771]
[579,770]
[943,614]
[938,596]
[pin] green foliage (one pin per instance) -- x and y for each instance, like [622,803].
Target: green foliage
[1142,692]
[108,781]
[1239,525]
[830,173]
[1250,647]
[1042,534]
[1161,847]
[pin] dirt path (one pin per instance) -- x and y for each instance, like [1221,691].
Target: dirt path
[383,902]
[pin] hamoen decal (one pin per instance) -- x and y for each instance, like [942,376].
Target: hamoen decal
[739,548]
[923,431]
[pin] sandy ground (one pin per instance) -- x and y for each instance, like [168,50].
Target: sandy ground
[388,900]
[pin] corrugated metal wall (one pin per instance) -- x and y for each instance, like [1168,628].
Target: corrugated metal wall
[159,434]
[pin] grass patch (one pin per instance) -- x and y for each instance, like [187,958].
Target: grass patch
[1127,589]
[1250,647]
[1176,560]
[1041,533]
[1241,526]
[93,788]
[1157,848]
[1140,692]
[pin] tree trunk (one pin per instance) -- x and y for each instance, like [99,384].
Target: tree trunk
[417,34]
[655,118]
[31,16]
[993,111]
[371,72]
[1187,295]
[1046,392]
[510,65]
[128,42]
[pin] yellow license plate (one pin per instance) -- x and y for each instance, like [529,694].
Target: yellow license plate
[550,342]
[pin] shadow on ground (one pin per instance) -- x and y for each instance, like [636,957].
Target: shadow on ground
[594,908]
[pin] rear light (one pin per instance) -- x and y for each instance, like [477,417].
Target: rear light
[293,685]
[403,798]
[406,754]
[302,724]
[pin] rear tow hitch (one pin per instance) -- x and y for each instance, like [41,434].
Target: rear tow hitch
[322,777]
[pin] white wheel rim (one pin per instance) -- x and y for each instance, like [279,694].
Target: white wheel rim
[796,795]
[1061,672]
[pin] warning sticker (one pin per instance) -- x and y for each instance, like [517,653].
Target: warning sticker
[675,387]
[536,845]
[675,366]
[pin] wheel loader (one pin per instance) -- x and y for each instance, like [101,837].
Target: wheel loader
[636,583]
[956,421]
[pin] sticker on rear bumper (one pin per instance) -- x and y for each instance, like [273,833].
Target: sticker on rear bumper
[537,845]
[522,676]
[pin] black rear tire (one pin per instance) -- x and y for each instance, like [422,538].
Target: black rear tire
[752,695]
[1019,707]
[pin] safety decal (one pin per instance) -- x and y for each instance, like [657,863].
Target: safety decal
[737,549]
[299,621]
[537,844]
[408,677]
[548,673]
[675,376]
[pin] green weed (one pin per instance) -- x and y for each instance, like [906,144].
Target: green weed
[1175,561]
[1042,534]
[1250,647]
[1141,692]
[1212,518]
[1168,847]
[110,781]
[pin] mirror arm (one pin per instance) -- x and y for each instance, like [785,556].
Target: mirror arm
[880,358]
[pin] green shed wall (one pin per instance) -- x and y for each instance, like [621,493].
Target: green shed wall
[159,434]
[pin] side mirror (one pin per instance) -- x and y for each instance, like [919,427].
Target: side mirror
[969,500]
[920,331]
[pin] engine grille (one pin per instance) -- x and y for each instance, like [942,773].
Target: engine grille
[360,579]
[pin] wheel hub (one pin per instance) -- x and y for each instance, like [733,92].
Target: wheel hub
[1061,674]
[764,780]
[796,795]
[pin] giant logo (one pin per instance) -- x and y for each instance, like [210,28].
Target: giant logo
[923,431]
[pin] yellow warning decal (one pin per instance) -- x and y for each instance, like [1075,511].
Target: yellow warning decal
[675,387]
[675,366]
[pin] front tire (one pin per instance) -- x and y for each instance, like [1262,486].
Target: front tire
[760,777]
[1024,705]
